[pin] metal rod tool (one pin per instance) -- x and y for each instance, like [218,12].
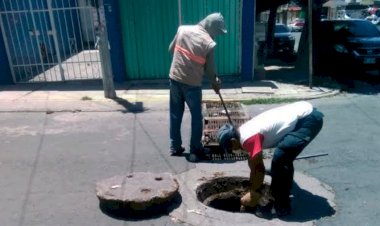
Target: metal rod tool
[310,156]
[225,108]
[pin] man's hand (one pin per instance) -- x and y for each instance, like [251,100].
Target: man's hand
[250,199]
[216,85]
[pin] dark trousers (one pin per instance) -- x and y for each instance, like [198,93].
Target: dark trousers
[181,94]
[287,150]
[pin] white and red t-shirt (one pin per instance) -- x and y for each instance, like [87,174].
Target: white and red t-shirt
[268,128]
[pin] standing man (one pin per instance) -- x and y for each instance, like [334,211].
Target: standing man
[288,129]
[193,56]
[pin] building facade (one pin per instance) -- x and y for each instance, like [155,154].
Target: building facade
[55,40]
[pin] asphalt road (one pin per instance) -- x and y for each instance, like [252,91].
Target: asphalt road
[351,139]
[50,163]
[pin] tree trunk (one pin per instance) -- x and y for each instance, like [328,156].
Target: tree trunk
[303,47]
[270,32]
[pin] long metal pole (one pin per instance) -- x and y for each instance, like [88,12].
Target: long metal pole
[310,37]
[225,108]
[6,42]
[55,38]
[255,45]
[36,34]
[268,171]
[105,58]
[311,156]
[180,12]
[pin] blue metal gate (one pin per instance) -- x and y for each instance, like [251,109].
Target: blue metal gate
[52,40]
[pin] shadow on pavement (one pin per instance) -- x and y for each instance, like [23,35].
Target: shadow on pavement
[135,108]
[280,71]
[90,85]
[86,85]
[126,214]
[366,83]
[307,206]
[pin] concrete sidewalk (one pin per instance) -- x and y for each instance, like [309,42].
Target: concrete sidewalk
[136,96]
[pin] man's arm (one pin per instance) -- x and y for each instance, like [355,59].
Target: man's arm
[252,198]
[256,164]
[210,71]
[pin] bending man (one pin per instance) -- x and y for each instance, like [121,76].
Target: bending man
[288,129]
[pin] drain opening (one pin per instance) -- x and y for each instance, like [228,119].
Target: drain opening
[224,193]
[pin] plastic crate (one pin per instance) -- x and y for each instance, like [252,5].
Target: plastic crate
[215,117]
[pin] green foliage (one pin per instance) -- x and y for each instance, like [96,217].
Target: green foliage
[301,3]
[269,101]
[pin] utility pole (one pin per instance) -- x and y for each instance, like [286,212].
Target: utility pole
[105,58]
[310,37]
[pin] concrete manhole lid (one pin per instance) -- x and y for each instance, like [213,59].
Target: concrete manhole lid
[137,191]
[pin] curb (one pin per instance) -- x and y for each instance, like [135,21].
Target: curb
[132,102]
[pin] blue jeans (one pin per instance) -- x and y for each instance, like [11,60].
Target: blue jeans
[287,150]
[192,96]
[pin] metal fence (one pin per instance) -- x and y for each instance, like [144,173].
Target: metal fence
[52,40]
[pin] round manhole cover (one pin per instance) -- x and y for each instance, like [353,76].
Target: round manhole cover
[137,192]
[224,193]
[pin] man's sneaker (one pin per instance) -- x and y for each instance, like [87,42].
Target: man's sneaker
[265,212]
[282,209]
[199,155]
[177,152]
[192,158]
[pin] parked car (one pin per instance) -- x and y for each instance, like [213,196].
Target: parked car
[347,46]
[296,25]
[283,40]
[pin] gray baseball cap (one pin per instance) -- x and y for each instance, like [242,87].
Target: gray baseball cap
[214,24]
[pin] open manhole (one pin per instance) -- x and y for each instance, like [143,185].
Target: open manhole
[224,193]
